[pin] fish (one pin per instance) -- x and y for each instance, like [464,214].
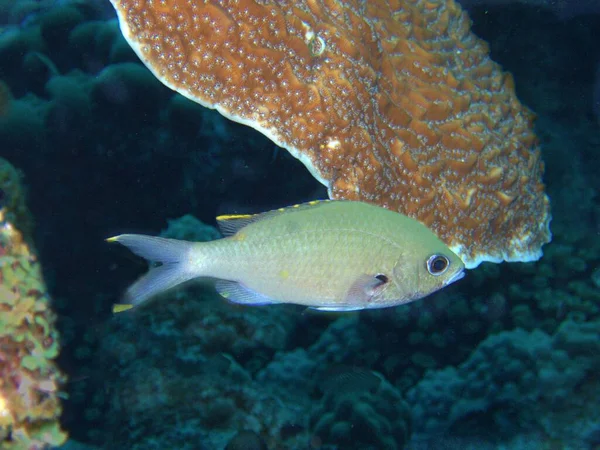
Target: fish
[331,255]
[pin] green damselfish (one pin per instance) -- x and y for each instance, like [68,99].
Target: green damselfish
[327,255]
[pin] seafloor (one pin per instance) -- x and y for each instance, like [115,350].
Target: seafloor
[508,358]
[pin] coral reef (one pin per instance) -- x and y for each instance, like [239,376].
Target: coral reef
[106,149]
[510,379]
[369,98]
[12,200]
[30,381]
[360,418]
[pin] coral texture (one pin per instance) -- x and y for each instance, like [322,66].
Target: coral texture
[29,378]
[12,200]
[394,103]
[363,419]
[513,370]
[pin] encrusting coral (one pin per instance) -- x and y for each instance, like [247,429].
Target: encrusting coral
[394,103]
[30,380]
[366,416]
[513,370]
[12,199]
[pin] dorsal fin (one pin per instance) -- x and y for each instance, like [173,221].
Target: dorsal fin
[232,223]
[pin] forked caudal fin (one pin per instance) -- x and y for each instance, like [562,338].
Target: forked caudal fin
[175,268]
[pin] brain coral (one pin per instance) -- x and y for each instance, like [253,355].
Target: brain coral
[29,378]
[391,102]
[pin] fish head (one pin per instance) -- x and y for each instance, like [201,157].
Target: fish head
[421,273]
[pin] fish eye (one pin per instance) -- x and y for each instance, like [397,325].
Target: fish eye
[437,264]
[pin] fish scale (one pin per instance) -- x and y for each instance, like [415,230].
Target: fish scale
[302,259]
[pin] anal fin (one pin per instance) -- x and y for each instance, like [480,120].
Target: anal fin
[238,293]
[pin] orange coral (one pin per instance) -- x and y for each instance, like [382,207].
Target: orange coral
[30,406]
[391,102]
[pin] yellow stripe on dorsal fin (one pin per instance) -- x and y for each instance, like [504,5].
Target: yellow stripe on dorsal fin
[234,216]
[230,224]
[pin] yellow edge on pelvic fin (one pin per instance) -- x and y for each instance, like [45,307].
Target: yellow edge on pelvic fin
[120,307]
[112,239]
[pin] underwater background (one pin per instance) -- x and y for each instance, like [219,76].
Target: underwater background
[93,145]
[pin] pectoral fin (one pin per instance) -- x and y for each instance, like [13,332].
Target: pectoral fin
[358,296]
[238,293]
[364,288]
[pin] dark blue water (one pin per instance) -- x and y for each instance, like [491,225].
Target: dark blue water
[506,358]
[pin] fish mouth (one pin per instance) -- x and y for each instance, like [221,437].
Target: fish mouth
[457,276]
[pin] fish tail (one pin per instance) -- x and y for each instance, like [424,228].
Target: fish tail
[176,266]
